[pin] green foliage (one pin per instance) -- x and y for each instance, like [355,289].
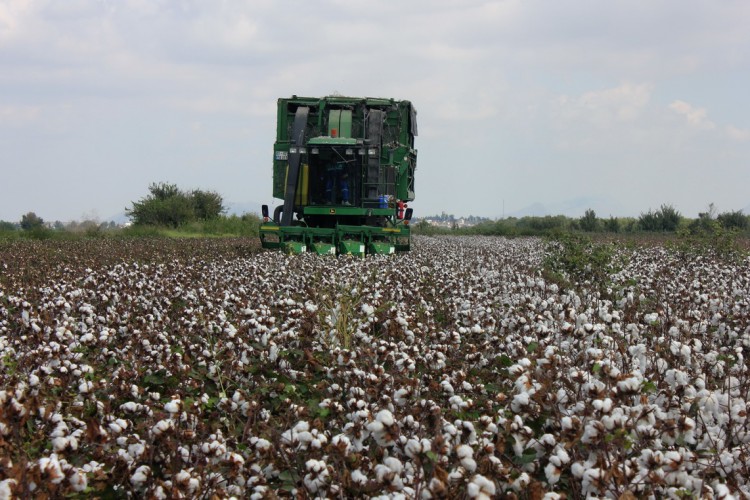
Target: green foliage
[733,220]
[667,218]
[706,236]
[207,204]
[168,206]
[6,227]
[244,225]
[575,261]
[31,221]
[612,225]
[542,225]
[589,222]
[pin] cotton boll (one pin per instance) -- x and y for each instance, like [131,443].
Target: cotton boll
[481,488]
[140,476]
[466,456]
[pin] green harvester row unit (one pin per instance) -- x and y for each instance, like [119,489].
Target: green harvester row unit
[344,168]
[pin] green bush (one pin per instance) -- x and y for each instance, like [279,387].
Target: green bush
[667,218]
[31,221]
[589,222]
[575,261]
[733,220]
[707,236]
[612,225]
[166,205]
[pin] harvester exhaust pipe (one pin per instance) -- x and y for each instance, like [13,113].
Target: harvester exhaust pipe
[295,156]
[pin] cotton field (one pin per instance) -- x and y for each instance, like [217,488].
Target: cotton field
[207,368]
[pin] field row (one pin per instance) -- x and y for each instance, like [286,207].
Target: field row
[206,367]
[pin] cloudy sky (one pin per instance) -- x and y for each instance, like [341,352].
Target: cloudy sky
[620,106]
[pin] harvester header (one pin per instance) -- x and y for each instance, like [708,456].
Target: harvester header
[344,168]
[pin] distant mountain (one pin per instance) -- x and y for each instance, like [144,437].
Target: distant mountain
[571,208]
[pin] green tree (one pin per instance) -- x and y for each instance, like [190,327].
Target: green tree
[207,204]
[167,205]
[7,226]
[589,222]
[612,225]
[670,218]
[667,218]
[733,220]
[31,221]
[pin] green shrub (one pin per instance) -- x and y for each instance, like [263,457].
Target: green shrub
[589,222]
[166,205]
[667,218]
[708,237]
[733,220]
[575,261]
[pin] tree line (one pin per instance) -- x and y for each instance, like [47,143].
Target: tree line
[166,206]
[666,219]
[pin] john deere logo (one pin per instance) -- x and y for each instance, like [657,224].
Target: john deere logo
[332,211]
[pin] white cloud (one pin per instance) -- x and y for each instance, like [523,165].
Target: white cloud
[738,134]
[696,117]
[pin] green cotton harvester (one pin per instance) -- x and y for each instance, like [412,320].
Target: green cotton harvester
[344,167]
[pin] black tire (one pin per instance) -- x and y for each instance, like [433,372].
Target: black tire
[277,213]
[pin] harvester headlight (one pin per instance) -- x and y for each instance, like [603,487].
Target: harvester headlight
[361,152]
[315,151]
[372,152]
[293,150]
[349,151]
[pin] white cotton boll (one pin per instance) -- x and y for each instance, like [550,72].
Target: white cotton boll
[413,448]
[51,469]
[173,406]
[552,472]
[394,464]
[385,417]
[140,476]
[59,443]
[578,469]
[446,387]
[466,457]
[129,406]
[722,492]
[521,482]
[375,427]
[480,487]
[162,426]
[118,425]
[519,401]
[358,477]
[85,386]
[33,380]
[78,481]
[317,475]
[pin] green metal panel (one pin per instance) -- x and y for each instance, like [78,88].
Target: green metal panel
[322,248]
[381,247]
[295,247]
[345,123]
[352,247]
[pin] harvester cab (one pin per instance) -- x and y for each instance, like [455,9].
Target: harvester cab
[344,168]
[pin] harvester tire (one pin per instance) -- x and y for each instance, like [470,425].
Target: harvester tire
[277,213]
